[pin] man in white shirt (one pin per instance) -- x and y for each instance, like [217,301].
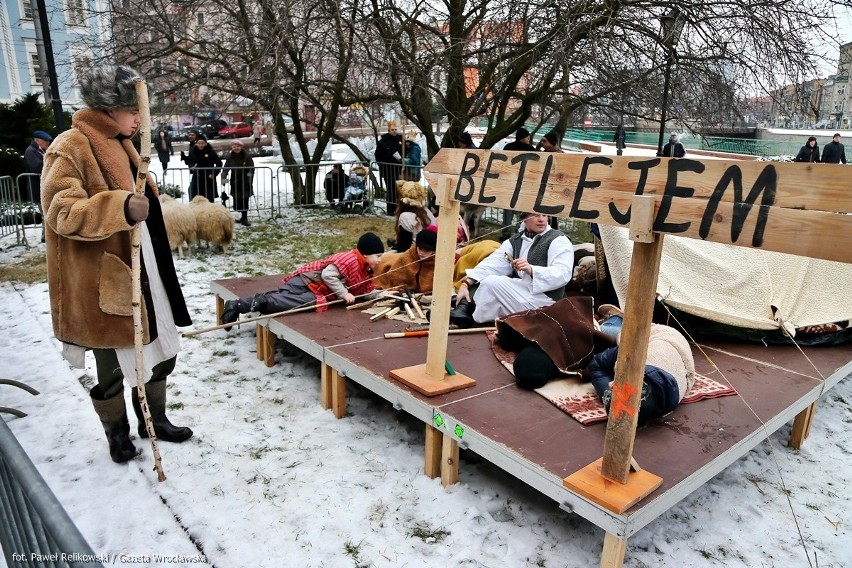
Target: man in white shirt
[529,270]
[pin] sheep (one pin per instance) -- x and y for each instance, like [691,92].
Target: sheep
[181,226]
[214,222]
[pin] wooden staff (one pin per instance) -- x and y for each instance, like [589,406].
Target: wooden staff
[266,316]
[425,332]
[136,267]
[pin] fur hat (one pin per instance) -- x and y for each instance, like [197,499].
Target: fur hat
[42,135]
[391,124]
[426,240]
[552,137]
[412,193]
[522,133]
[370,243]
[411,136]
[109,87]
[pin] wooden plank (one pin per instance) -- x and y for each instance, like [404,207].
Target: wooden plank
[338,394]
[492,175]
[614,496]
[269,340]
[779,213]
[442,287]
[614,549]
[325,386]
[449,461]
[630,366]
[220,307]
[258,342]
[432,461]
[642,219]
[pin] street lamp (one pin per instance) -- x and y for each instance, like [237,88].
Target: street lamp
[671,26]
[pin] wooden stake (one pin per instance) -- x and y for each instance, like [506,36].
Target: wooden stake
[136,268]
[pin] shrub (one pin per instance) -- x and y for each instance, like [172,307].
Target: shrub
[171,189]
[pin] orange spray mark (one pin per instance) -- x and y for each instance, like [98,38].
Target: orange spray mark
[620,404]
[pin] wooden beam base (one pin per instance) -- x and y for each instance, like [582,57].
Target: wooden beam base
[417,378]
[802,427]
[615,496]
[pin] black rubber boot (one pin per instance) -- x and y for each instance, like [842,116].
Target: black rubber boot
[232,310]
[462,314]
[244,219]
[113,415]
[155,392]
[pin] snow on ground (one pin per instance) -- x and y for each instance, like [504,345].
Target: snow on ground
[271,480]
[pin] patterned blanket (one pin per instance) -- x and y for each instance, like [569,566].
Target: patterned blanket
[579,400]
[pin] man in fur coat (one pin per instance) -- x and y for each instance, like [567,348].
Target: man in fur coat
[90,209]
[413,269]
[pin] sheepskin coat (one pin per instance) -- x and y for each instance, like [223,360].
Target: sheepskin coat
[88,177]
[405,269]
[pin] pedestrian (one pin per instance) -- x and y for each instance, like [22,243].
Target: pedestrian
[164,149]
[413,158]
[466,141]
[257,130]
[335,184]
[240,166]
[619,138]
[34,158]
[809,152]
[389,158]
[521,143]
[90,210]
[189,158]
[834,152]
[673,148]
[552,142]
[206,165]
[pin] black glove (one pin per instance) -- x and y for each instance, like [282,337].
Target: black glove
[224,197]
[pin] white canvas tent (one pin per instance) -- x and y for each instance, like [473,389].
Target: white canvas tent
[743,287]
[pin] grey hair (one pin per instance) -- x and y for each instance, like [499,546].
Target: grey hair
[110,87]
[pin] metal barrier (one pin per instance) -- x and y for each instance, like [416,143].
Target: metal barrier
[289,176]
[15,214]
[36,530]
[265,189]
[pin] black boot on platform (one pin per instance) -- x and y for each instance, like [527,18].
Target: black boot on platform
[462,315]
[113,414]
[155,393]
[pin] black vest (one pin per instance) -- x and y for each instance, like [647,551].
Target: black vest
[537,255]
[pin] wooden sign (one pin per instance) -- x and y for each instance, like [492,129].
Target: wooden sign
[780,206]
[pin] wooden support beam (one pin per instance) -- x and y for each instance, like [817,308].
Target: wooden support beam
[802,427]
[632,353]
[269,340]
[220,307]
[259,345]
[613,551]
[325,386]
[431,378]
[338,394]
[432,461]
[449,461]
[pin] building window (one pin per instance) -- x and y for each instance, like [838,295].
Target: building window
[201,18]
[81,65]
[27,10]
[35,65]
[75,12]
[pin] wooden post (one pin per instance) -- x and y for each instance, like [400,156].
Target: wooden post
[449,461]
[338,394]
[432,379]
[613,551]
[325,386]
[432,459]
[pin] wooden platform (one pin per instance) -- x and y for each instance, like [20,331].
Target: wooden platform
[528,437]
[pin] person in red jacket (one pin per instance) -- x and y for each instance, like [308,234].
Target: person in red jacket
[344,274]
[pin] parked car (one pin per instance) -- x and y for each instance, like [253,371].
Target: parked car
[211,128]
[236,130]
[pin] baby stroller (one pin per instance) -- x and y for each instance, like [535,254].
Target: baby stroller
[355,194]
